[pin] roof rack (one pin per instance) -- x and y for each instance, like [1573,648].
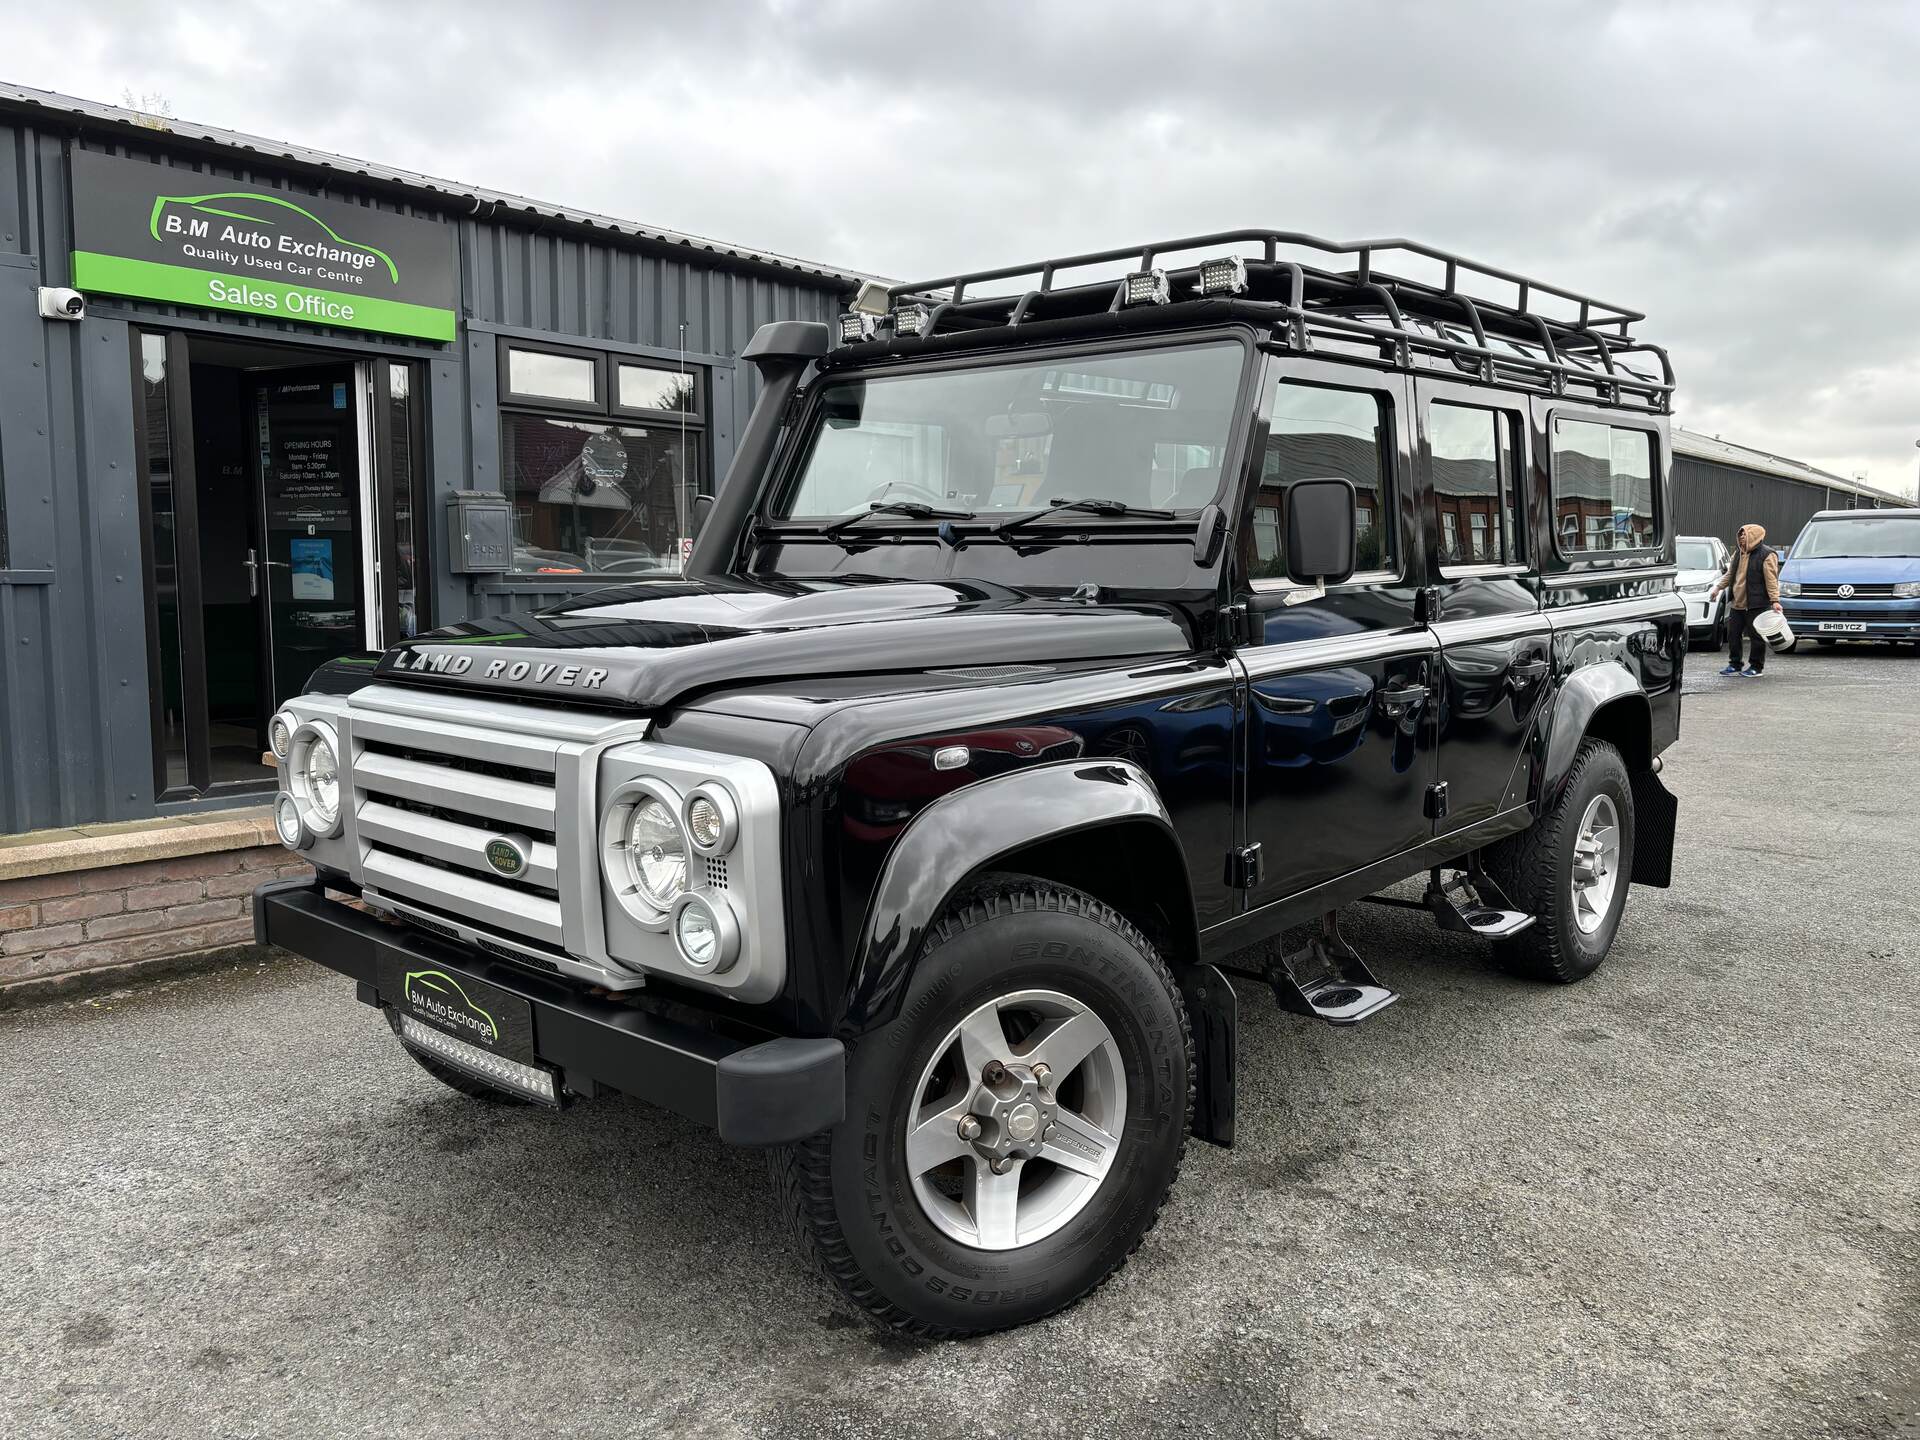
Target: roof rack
[1454,318]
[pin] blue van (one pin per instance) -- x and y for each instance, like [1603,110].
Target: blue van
[1854,575]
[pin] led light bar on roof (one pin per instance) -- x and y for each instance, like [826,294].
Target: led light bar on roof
[855,327]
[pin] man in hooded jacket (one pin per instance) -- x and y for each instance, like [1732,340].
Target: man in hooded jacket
[1753,578]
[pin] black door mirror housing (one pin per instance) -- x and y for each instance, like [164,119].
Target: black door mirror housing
[702,507]
[1320,533]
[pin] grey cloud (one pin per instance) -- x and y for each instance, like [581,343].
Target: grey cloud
[1742,172]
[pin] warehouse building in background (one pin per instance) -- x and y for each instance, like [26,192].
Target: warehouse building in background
[1718,487]
[236,461]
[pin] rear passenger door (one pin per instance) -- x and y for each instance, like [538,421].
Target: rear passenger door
[1339,691]
[1495,643]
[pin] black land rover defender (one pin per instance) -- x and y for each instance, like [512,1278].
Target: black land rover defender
[1047,656]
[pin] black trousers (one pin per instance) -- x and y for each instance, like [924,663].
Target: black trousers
[1739,627]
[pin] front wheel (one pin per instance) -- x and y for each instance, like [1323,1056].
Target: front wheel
[1571,869]
[1011,1138]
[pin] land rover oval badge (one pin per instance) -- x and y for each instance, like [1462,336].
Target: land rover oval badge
[509,854]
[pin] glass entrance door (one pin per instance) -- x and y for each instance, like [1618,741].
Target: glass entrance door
[279,490]
[310,566]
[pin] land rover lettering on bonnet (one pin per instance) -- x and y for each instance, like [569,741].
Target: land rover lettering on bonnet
[1058,658]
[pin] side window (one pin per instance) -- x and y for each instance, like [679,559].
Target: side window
[1602,488]
[1475,483]
[1319,432]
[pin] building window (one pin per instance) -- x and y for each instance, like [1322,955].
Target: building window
[1475,483]
[1317,432]
[607,494]
[1603,487]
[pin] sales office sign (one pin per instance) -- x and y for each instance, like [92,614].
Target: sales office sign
[184,237]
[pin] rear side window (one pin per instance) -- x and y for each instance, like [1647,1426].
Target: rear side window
[1318,432]
[1475,483]
[1602,488]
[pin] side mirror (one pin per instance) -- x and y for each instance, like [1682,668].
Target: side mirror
[702,507]
[1320,534]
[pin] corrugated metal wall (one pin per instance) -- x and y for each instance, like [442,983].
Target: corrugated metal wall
[1714,499]
[74,722]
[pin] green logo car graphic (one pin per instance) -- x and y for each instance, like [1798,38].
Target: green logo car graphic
[423,989]
[213,205]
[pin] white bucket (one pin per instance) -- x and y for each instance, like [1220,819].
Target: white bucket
[1772,627]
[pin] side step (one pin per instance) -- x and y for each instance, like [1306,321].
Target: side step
[1472,904]
[1327,979]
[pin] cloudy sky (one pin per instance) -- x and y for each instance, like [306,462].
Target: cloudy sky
[1747,173]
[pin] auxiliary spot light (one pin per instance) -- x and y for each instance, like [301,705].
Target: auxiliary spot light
[912,320]
[855,327]
[1225,276]
[1148,287]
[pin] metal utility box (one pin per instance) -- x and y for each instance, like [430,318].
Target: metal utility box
[479,532]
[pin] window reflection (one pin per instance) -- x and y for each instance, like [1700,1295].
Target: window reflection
[591,498]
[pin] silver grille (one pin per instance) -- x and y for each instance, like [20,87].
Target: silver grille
[431,795]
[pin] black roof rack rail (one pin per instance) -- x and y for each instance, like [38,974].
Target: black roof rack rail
[1532,347]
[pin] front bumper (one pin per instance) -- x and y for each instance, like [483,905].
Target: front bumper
[765,1093]
[1882,619]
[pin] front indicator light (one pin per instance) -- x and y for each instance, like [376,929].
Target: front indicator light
[707,935]
[280,734]
[713,820]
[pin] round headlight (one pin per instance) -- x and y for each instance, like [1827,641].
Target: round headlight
[288,824]
[656,852]
[313,775]
[712,819]
[707,935]
[280,734]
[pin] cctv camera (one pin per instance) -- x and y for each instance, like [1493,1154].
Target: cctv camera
[57,303]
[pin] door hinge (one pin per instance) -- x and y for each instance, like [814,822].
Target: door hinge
[1437,801]
[1244,867]
[1240,626]
[1426,605]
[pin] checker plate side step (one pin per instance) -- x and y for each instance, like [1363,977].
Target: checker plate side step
[1473,905]
[1327,979]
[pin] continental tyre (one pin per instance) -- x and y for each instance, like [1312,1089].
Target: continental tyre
[1012,1136]
[1571,869]
[455,1079]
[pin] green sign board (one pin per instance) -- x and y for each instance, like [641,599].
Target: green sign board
[155,232]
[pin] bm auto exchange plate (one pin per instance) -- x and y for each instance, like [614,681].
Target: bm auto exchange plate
[483,1015]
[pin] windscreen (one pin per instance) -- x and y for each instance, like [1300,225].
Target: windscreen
[1893,535]
[1146,426]
[1694,555]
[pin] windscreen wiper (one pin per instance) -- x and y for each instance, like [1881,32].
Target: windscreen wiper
[912,509]
[1095,505]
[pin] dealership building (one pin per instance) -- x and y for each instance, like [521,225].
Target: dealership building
[241,456]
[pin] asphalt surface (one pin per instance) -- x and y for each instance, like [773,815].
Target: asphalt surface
[1681,1199]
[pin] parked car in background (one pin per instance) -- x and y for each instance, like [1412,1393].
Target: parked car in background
[1702,560]
[1855,575]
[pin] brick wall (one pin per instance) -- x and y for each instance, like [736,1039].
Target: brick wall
[155,910]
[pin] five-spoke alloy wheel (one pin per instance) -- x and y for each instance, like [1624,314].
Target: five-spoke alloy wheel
[1012,1134]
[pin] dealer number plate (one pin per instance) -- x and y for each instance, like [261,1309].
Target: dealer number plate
[484,1016]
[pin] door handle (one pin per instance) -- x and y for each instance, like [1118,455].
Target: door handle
[1528,669]
[1398,702]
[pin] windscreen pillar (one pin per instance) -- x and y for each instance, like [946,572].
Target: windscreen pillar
[781,352]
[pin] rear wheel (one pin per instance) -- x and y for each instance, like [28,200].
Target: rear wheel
[1012,1137]
[1571,869]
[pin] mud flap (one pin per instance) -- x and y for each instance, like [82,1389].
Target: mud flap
[1213,1014]
[1656,818]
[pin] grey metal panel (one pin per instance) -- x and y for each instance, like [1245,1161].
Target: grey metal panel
[1712,499]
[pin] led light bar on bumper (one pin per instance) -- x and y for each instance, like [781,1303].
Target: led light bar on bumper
[509,1074]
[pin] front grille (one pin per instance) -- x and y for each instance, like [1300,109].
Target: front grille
[430,799]
[1853,612]
[1860,592]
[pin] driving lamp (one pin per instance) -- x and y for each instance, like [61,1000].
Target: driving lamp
[1148,287]
[855,327]
[706,934]
[910,321]
[288,825]
[1224,276]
